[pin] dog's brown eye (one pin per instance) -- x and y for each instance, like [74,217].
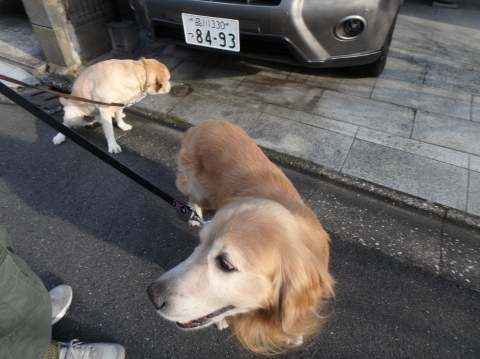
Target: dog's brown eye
[224,264]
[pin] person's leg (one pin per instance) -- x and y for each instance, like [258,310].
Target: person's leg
[26,315]
[25,307]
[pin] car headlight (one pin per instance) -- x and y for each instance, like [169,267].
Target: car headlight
[348,28]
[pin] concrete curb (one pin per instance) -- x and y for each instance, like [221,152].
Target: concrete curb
[436,238]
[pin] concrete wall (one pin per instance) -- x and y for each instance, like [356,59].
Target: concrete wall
[67,43]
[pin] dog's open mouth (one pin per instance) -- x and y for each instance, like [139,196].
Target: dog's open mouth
[203,320]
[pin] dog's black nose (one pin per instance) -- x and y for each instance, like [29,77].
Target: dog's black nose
[154,292]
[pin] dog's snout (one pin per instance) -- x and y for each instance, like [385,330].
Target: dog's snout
[167,87]
[154,292]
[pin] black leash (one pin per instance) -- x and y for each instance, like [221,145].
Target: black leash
[99,153]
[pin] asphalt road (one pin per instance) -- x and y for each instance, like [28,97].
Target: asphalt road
[75,220]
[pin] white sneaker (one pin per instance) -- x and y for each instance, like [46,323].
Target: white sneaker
[61,297]
[79,350]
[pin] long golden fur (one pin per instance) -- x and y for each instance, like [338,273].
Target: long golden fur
[261,267]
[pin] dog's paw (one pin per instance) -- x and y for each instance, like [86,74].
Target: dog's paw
[222,324]
[58,139]
[295,341]
[125,127]
[193,223]
[115,148]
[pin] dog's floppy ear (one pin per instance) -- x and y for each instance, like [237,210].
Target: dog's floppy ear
[162,78]
[300,286]
[158,76]
[304,284]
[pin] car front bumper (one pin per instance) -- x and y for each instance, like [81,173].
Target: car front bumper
[290,31]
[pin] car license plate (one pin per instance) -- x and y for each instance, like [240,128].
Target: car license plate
[211,32]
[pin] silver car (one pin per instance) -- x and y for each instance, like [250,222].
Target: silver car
[310,33]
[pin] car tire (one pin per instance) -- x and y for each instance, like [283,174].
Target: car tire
[374,69]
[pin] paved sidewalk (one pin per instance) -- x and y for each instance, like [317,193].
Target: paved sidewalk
[16,73]
[415,130]
[18,44]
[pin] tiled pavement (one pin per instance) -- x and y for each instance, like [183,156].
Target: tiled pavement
[415,129]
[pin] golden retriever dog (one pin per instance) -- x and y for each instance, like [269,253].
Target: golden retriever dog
[112,81]
[261,267]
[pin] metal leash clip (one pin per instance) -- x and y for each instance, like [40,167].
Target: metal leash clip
[195,217]
[189,212]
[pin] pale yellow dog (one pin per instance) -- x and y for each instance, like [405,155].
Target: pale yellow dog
[113,81]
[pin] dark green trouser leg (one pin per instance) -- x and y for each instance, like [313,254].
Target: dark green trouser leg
[25,307]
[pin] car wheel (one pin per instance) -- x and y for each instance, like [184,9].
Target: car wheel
[374,69]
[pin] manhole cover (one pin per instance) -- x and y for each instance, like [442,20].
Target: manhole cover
[181,90]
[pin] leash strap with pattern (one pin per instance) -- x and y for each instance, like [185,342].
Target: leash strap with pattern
[99,153]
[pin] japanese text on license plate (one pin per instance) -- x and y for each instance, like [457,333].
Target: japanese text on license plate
[211,32]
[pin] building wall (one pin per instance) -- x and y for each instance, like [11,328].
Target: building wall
[71,32]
